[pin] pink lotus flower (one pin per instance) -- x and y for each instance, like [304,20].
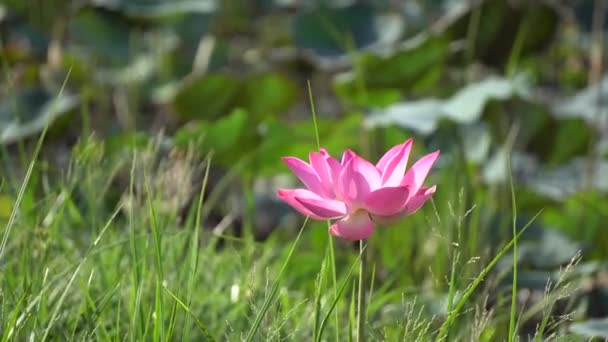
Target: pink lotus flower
[356,193]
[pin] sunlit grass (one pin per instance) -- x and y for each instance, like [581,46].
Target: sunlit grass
[131,270]
[55,287]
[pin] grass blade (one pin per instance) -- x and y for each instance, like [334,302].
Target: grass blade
[332,256]
[361,292]
[332,262]
[172,318]
[314,114]
[11,326]
[335,301]
[156,235]
[13,217]
[512,319]
[319,284]
[266,305]
[137,323]
[475,283]
[117,323]
[198,323]
[194,248]
[75,273]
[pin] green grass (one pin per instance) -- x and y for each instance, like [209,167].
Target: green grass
[143,276]
[78,266]
[95,250]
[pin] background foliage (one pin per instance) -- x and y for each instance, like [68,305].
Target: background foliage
[106,242]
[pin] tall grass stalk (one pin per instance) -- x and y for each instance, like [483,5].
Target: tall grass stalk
[332,255]
[158,331]
[361,292]
[194,248]
[137,317]
[512,318]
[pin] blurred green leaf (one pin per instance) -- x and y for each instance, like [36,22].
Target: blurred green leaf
[378,80]
[30,111]
[476,141]
[552,250]
[464,107]
[140,69]
[207,97]
[373,97]
[193,48]
[218,136]
[535,124]
[572,138]
[112,49]
[277,140]
[405,66]
[154,9]
[334,31]
[591,328]
[225,132]
[588,104]
[467,105]
[576,215]
[421,116]
[297,139]
[267,94]
[500,24]
[101,36]
[343,134]
[23,42]
[576,175]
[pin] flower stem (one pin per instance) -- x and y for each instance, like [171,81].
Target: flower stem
[361,293]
